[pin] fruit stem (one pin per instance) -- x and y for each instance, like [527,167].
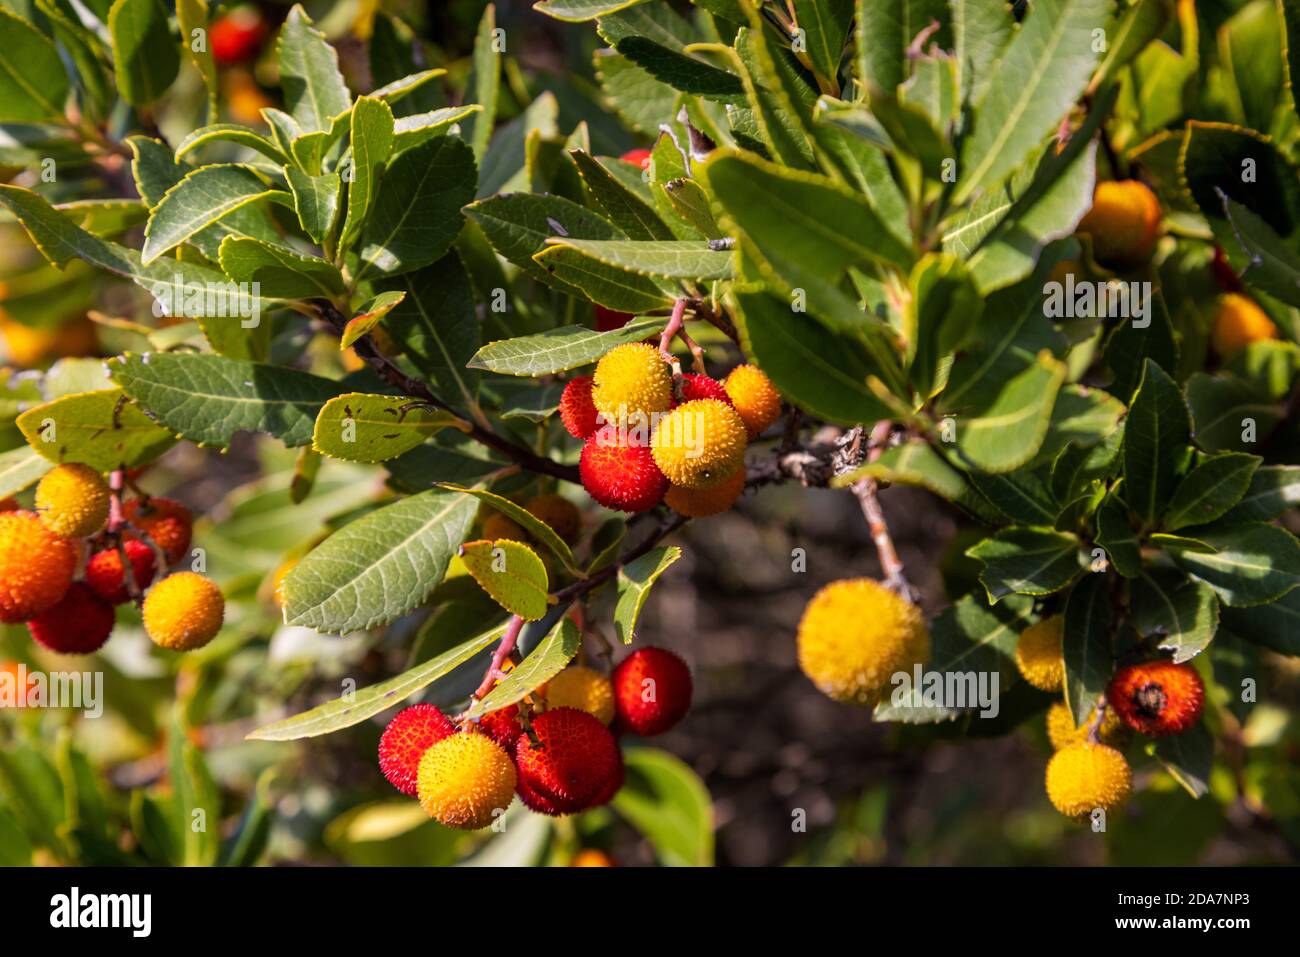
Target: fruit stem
[504,649]
[1099,713]
[865,490]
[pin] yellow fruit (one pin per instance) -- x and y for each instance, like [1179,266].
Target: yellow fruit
[1084,777]
[703,502]
[72,500]
[559,513]
[497,527]
[631,382]
[184,611]
[36,567]
[590,857]
[277,580]
[855,635]
[1062,732]
[583,688]
[1038,654]
[1238,322]
[1124,223]
[754,397]
[699,444]
[465,780]
[27,346]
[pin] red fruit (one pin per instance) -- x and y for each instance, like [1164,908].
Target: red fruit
[77,625]
[104,571]
[237,37]
[697,386]
[620,474]
[612,786]
[1157,698]
[1224,274]
[572,766]
[638,157]
[412,731]
[652,691]
[167,523]
[607,320]
[576,409]
[503,726]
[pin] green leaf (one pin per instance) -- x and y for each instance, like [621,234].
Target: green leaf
[530,523]
[917,463]
[369,316]
[665,260]
[33,82]
[355,707]
[668,803]
[1022,496]
[511,573]
[826,26]
[196,800]
[1268,263]
[980,29]
[317,200]
[551,656]
[1008,429]
[145,57]
[372,143]
[281,274]
[579,11]
[1117,537]
[1182,612]
[1272,192]
[1082,416]
[634,582]
[101,429]
[410,131]
[623,207]
[192,16]
[484,84]
[1275,625]
[417,212]
[313,87]
[558,350]
[1038,78]
[1273,489]
[1156,434]
[885,29]
[1252,563]
[1027,561]
[205,196]
[1188,757]
[379,566]
[230,133]
[1221,407]
[1085,645]
[680,70]
[607,285]
[358,427]
[207,398]
[1209,490]
[21,468]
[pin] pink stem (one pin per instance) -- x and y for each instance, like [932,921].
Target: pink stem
[499,657]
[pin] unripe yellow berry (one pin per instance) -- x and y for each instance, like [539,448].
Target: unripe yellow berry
[754,397]
[583,688]
[1038,654]
[1084,777]
[184,611]
[631,382]
[1061,730]
[1124,223]
[559,513]
[465,781]
[1238,322]
[699,444]
[703,502]
[72,500]
[855,635]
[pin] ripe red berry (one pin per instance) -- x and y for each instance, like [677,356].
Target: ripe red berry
[697,386]
[168,523]
[573,764]
[607,320]
[238,36]
[620,474]
[412,731]
[652,691]
[637,157]
[503,726]
[576,408]
[77,625]
[1158,697]
[104,571]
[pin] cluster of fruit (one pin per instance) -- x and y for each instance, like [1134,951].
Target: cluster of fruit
[653,437]
[1088,771]
[557,749]
[64,566]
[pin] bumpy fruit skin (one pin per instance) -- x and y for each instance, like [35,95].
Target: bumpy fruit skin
[632,382]
[638,157]
[77,625]
[754,397]
[573,765]
[36,567]
[583,688]
[559,513]
[699,444]
[620,474]
[464,780]
[1158,698]
[1084,777]
[855,634]
[1062,732]
[1238,322]
[168,523]
[697,386]
[591,857]
[703,502]
[1038,654]
[577,411]
[104,572]
[184,611]
[503,726]
[652,691]
[412,731]
[72,500]
[607,320]
[1124,223]
[497,527]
